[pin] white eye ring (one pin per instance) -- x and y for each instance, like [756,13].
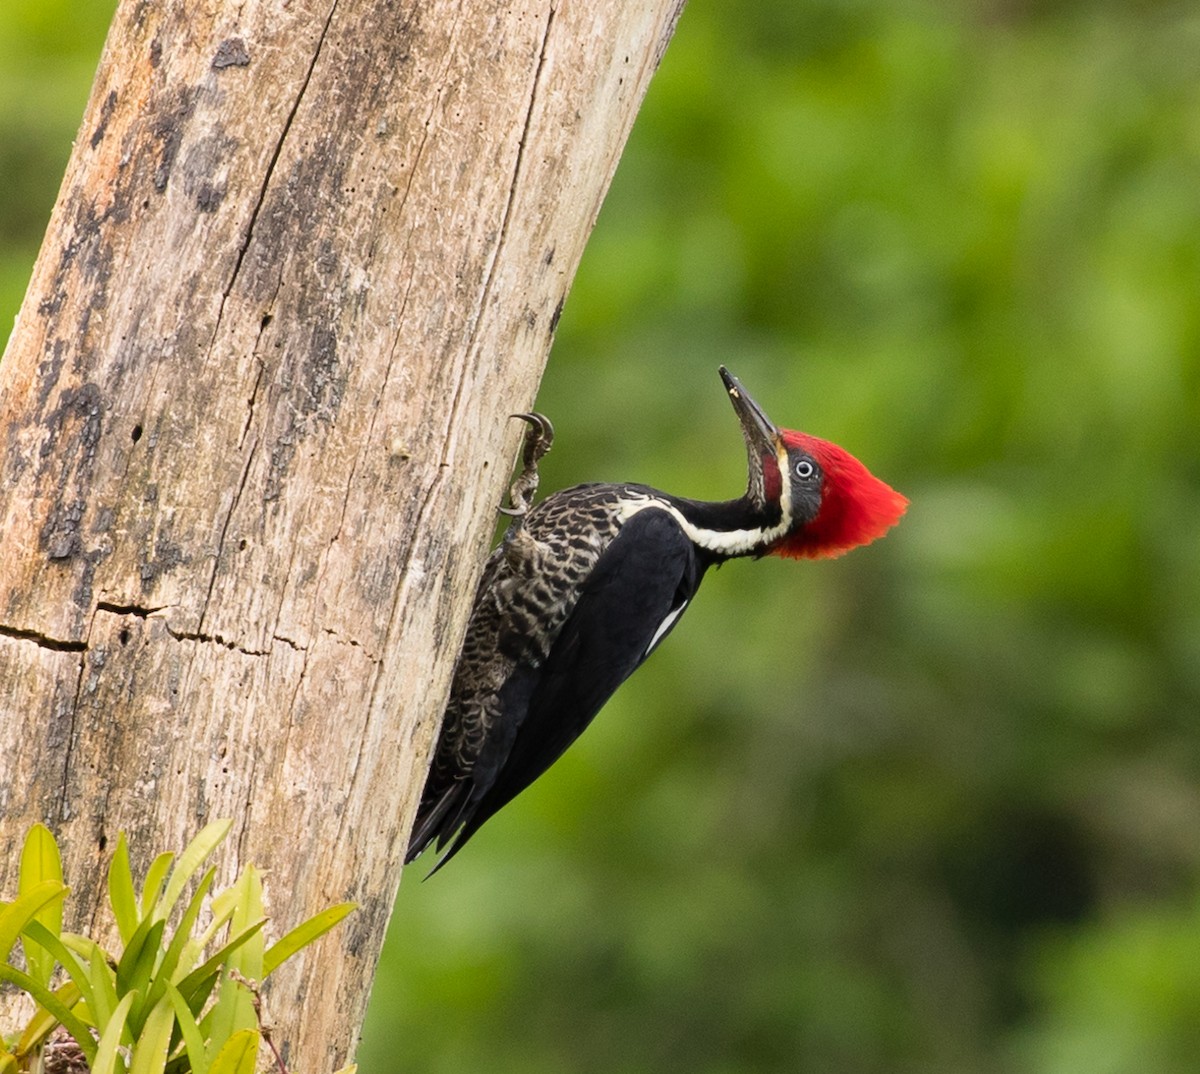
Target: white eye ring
[805,469]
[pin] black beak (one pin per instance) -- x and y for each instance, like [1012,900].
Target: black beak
[761,434]
[762,438]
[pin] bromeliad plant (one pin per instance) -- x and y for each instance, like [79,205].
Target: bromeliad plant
[175,999]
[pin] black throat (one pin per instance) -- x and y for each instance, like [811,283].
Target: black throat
[728,516]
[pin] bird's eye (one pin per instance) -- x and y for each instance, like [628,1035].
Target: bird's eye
[805,469]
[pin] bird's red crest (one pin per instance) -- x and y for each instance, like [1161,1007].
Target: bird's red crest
[856,507]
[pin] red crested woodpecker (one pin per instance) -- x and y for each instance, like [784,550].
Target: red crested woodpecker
[586,584]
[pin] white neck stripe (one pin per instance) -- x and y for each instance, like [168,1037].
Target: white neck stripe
[722,542]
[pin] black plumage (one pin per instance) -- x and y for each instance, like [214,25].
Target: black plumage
[566,610]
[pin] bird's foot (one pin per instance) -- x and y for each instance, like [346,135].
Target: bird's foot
[538,438]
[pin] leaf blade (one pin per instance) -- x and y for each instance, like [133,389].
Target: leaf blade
[165,971]
[108,1059]
[142,948]
[42,1024]
[41,862]
[234,1009]
[23,909]
[78,976]
[304,934]
[73,1024]
[202,845]
[238,1055]
[156,877]
[149,1055]
[193,1040]
[214,962]
[121,894]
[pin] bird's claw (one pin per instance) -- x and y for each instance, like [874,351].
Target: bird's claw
[538,438]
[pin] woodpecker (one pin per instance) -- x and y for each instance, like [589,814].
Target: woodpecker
[585,585]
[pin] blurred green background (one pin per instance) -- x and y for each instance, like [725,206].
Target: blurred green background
[931,807]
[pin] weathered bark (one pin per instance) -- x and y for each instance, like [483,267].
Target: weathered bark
[307,258]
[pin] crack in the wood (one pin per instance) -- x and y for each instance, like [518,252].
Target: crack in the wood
[253,397]
[366,441]
[232,646]
[237,497]
[252,788]
[288,573]
[128,609]
[299,683]
[241,255]
[379,665]
[337,536]
[69,752]
[437,100]
[667,32]
[504,223]
[412,171]
[512,188]
[289,642]
[354,643]
[252,402]
[213,639]
[275,155]
[43,641]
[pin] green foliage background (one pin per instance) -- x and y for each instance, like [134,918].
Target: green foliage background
[932,807]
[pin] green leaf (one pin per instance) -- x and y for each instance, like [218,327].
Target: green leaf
[199,996]
[24,908]
[205,842]
[121,893]
[248,959]
[187,923]
[138,964]
[156,877]
[238,1055]
[40,859]
[202,975]
[40,862]
[149,1055]
[8,1062]
[108,1060]
[72,1024]
[66,958]
[42,1024]
[104,987]
[193,1040]
[224,903]
[84,946]
[234,1008]
[302,935]
[166,971]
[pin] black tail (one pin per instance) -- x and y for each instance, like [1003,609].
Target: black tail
[439,820]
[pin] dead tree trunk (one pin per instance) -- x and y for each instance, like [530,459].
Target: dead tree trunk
[307,258]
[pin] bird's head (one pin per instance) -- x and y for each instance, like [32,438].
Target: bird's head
[833,501]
